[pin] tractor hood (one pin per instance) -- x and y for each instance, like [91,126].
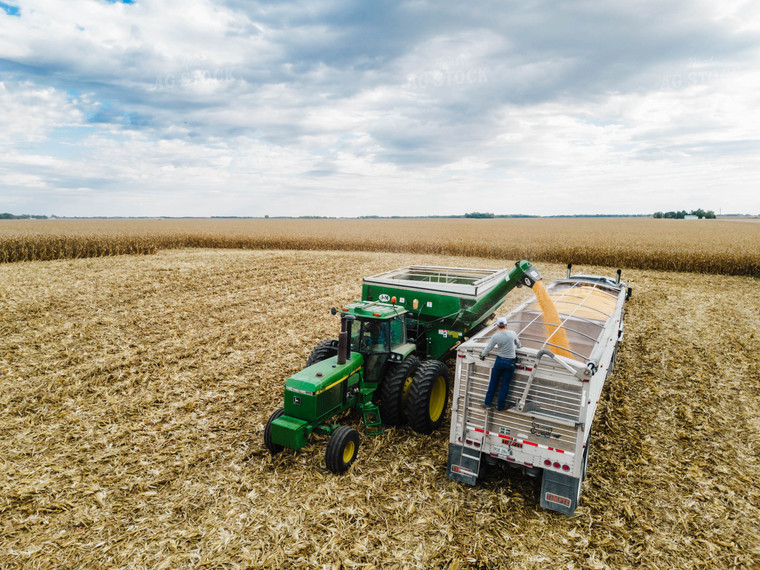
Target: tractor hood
[315,394]
[321,376]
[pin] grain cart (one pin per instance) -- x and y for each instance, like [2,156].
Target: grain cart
[545,429]
[386,362]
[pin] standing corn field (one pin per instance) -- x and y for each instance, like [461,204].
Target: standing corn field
[705,246]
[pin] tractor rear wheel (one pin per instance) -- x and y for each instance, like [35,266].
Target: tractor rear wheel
[428,396]
[395,391]
[342,449]
[322,351]
[273,448]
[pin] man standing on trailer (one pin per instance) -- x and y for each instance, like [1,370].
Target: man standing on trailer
[504,367]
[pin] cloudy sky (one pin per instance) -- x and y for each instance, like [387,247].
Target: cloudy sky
[345,108]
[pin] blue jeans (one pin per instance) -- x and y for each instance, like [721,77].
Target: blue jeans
[502,371]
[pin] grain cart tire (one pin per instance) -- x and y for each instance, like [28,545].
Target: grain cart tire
[395,391]
[273,448]
[342,449]
[428,396]
[322,351]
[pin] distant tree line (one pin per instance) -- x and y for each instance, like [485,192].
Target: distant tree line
[700,213]
[7,216]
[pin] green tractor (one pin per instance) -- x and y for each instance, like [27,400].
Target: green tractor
[375,365]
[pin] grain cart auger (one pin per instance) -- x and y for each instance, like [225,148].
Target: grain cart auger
[387,360]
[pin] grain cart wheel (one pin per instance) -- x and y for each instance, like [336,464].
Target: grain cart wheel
[395,390]
[342,449]
[322,351]
[428,396]
[273,448]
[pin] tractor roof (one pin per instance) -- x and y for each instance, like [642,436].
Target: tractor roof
[372,309]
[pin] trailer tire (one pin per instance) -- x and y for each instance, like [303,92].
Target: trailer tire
[395,392]
[342,449]
[585,458]
[611,367]
[324,350]
[273,448]
[428,396]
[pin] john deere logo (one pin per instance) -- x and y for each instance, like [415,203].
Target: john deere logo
[384,298]
[296,400]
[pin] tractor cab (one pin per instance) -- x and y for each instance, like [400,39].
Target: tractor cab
[378,332]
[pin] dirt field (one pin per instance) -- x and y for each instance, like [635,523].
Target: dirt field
[134,392]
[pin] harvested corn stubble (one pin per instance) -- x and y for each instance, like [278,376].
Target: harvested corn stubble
[135,390]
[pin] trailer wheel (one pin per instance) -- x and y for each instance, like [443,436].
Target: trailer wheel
[585,458]
[428,396]
[342,449]
[273,448]
[395,391]
[322,351]
[612,363]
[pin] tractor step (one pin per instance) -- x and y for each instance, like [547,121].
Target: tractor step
[371,417]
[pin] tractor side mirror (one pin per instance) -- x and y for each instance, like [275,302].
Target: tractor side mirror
[333,311]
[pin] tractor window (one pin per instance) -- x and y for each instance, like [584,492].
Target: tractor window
[354,334]
[398,332]
[374,337]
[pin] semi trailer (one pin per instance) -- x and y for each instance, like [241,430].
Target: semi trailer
[545,430]
[387,360]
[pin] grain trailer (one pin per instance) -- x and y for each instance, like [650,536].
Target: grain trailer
[561,369]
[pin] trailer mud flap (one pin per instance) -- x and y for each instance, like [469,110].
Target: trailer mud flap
[560,492]
[463,464]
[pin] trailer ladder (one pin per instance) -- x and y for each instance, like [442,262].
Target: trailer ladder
[464,462]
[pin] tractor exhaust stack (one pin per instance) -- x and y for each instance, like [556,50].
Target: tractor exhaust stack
[344,347]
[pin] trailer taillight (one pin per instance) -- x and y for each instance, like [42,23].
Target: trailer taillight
[556,465]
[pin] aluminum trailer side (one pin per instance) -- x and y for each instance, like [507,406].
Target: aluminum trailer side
[553,398]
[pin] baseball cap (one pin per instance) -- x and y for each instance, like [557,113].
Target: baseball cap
[501,321]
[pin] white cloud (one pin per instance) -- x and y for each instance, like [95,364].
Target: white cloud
[218,108]
[31,112]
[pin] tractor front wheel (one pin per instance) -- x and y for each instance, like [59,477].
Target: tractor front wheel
[428,396]
[342,449]
[273,448]
[324,350]
[395,391]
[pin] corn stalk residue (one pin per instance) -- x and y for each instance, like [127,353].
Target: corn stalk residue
[555,334]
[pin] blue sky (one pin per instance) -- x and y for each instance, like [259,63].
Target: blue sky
[199,108]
